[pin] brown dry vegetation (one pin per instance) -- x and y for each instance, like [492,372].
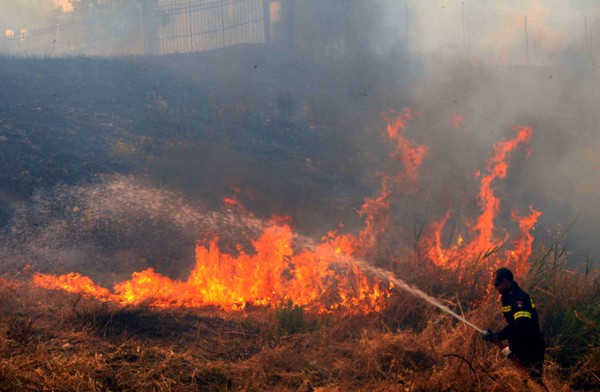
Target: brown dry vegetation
[57,341]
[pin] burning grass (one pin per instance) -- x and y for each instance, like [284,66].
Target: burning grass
[328,276]
[291,313]
[61,341]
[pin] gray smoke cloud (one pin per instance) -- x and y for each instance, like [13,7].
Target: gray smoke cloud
[117,224]
[495,30]
[478,61]
[473,59]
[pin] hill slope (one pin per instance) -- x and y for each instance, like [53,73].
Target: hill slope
[209,124]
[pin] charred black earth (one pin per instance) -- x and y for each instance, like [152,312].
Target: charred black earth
[267,126]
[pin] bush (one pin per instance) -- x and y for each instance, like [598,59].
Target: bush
[291,319]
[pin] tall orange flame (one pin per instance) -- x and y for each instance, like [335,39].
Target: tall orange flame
[522,245]
[323,276]
[377,209]
[484,237]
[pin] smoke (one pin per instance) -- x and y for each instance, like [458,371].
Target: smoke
[483,63]
[477,62]
[30,14]
[496,31]
[117,224]
[63,5]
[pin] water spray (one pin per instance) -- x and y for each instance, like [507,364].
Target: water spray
[382,273]
[388,275]
[306,242]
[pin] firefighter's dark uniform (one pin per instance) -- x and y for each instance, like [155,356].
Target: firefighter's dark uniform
[523,332]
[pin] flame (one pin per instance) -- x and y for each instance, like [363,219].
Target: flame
[72,283]
[324,277]
[410,154]
[314,278]
[522,245]
[485,238]
[497,167]
[377,209]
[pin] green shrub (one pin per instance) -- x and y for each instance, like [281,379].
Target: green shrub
[291,319]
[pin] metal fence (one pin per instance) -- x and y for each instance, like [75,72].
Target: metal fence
[199,26]
[66,39]
[170,26]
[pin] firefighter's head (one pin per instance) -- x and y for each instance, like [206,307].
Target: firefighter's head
[503,279]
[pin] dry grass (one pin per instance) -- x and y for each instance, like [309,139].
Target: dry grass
[58,341]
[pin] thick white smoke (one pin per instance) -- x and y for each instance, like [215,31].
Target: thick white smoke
[473,58]
[495,30]
[30,14]
[63,5]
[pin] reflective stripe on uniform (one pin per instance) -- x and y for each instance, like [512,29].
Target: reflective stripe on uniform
[506,309]
[522,314]
[532,305]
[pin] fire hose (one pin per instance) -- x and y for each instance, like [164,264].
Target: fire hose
[491,337]
[488,334]
[514,359]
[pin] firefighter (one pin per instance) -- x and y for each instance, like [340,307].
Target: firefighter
[525,341]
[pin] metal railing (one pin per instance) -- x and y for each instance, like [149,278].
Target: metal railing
[173,26]
[198,26]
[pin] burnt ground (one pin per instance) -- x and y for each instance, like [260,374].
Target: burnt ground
[288,134]
[271,126]
[279,132]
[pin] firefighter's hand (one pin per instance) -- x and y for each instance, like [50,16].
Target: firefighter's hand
[506,352]
[489,335]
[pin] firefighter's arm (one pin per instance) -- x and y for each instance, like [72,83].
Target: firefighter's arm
[505,332]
